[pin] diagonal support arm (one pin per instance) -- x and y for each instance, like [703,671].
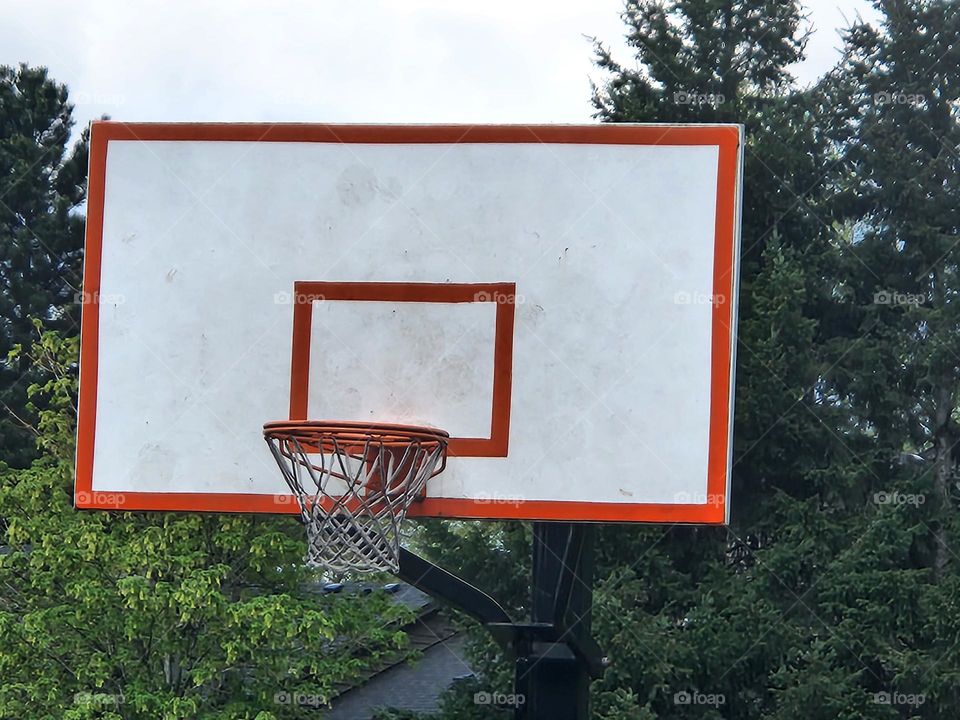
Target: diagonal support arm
[436,581]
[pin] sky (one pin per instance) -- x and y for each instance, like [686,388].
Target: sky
[325,61]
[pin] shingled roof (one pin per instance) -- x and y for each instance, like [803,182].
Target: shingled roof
[398,683]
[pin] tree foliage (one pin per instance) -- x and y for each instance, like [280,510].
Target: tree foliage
[830,595]
[132,615]
[42,183]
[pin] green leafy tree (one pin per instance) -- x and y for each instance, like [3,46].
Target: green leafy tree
[42,183]
[130,615]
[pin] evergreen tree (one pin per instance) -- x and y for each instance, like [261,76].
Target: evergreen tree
[663,594]
[899,192]
[894,110]
[756,616]
[711,611]
[833,599]
[42,183]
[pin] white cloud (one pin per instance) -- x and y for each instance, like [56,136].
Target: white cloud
[325,61]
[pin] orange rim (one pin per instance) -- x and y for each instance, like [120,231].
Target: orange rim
[350,432]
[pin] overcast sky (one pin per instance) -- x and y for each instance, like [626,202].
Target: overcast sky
[338,61]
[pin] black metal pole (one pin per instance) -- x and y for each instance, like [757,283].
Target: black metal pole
[551,674]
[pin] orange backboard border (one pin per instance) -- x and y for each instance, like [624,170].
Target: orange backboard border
[727,138]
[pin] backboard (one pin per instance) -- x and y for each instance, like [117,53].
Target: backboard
[559,299]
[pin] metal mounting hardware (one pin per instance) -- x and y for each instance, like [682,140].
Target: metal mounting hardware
[555,656]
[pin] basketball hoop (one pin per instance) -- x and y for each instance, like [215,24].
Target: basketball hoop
[354,483]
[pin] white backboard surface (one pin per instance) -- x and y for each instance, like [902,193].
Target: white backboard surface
[560,299]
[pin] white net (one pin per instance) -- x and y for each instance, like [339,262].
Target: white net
[354,484]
